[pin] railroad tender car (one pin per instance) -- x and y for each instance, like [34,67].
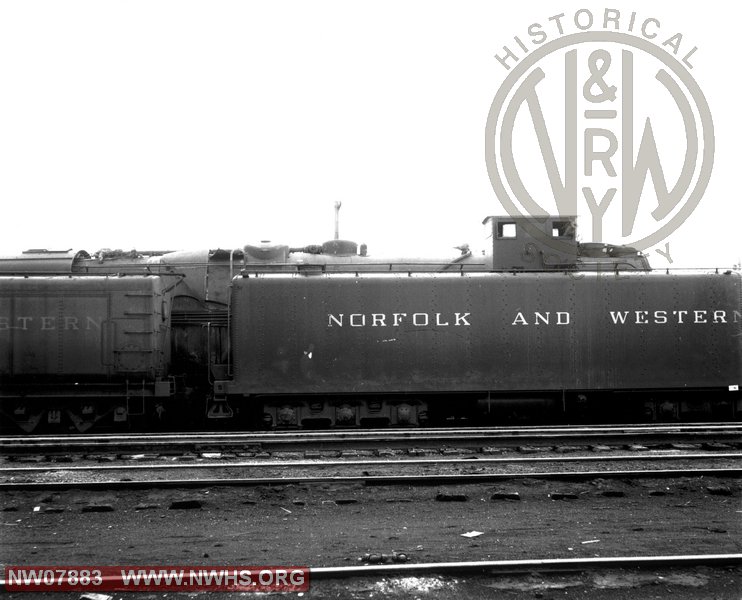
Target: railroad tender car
[82,348]
[538,327]
[500,340]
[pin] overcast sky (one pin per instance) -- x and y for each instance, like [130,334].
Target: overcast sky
[188,124]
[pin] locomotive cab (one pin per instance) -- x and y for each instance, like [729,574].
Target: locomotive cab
[532,244]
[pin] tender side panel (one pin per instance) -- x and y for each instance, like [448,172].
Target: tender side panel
[499,332]
[655,330]
[52,335]
[61,326]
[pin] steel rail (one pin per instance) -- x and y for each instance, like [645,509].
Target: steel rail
[458,435]
[267,463]
[387,431]
[529,566]
[369,479]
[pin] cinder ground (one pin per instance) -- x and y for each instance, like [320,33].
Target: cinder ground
[334,525]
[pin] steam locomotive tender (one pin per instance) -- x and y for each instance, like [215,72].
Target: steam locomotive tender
[538,327]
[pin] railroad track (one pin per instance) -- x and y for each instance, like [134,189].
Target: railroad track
[368,479]
[234,470]
[399,462]
[365,439]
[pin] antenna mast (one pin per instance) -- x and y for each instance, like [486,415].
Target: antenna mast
[337,219]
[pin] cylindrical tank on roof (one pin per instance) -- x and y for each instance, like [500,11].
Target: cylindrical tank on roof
[42,261]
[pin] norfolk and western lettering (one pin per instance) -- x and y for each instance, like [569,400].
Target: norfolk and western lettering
[465,319]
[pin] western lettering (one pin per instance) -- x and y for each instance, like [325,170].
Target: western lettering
[51,323]
[619,316]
